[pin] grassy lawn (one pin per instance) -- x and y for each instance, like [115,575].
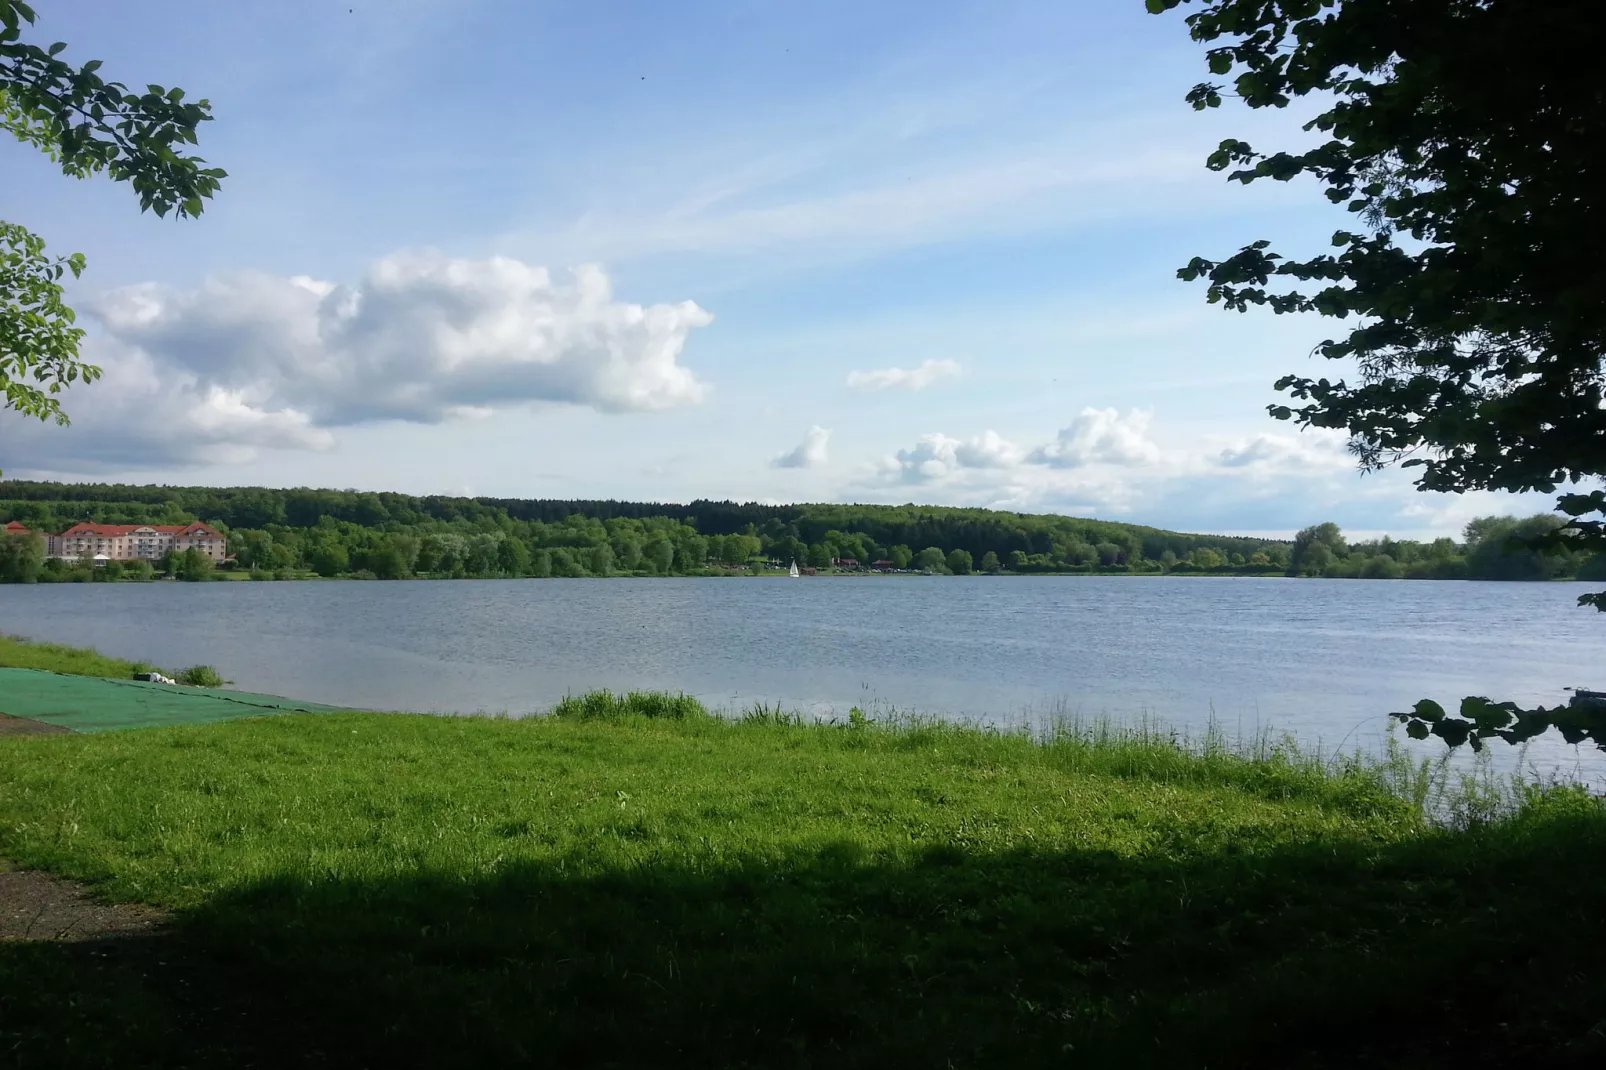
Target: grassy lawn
[622,890]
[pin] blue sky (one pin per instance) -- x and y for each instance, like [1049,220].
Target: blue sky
[861,252]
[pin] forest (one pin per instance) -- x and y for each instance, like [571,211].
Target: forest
[300,533]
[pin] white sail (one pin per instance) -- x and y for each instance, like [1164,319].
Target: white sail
[794,572]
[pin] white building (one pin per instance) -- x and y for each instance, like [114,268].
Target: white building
[135,542]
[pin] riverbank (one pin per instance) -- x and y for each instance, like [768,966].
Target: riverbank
[97,574]
[19,652]
[640,883]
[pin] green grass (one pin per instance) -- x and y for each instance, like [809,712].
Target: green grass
[200,676]
[635,883]
[606,705]
[19,653]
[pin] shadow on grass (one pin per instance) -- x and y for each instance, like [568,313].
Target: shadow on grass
[1480,949]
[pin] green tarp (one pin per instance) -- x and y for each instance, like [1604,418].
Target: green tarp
[91,704]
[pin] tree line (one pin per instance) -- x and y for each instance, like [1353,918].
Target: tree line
[291,533]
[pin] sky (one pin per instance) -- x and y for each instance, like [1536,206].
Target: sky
[732,249]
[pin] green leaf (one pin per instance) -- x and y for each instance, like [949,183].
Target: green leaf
[1485,714]
[1428,710]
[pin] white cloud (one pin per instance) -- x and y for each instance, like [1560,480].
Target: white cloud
[936,457]
[254,360]
[1106,465]
[1101,436]
[1306,451]
[911,379]
[143,413]
[810,453]
[988,450]
[1097,438]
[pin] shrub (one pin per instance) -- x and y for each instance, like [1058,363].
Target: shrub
[596,705]
[200,676]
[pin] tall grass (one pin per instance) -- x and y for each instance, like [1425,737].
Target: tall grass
[1272,766]
[606,705]
[17,652]
[200,676]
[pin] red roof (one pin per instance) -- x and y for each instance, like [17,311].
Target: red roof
[16,528]
[117,530]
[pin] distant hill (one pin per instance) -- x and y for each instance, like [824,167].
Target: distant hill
[386,535]
[864,532]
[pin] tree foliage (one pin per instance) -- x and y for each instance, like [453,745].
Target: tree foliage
[191,565]
[22,558]
[1047,543]
[1581,720]
[38,336]
[392,536]
[87,125]
[1468,140]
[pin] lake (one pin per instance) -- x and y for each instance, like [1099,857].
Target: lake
[1323,659]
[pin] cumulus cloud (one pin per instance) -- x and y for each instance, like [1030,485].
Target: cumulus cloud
[1101,436]
[1088,467]
[906,379]
[1104,464]
[1096,438]
[254,360]
[810,453]
[1314,449]
[935,457]
[146,413]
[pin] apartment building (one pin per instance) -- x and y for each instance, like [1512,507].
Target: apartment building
[133,542]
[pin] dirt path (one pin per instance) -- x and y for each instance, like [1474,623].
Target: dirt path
[21,726]
[86,983]
[37,906]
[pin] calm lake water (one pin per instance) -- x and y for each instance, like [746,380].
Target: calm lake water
[1321,659]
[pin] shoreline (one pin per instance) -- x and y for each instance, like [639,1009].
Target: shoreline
[230,576]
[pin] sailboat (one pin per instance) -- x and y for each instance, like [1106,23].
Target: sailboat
[794,573]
